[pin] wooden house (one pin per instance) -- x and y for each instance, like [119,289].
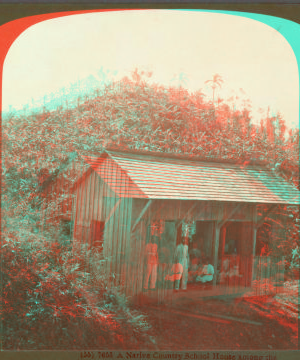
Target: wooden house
[120,195]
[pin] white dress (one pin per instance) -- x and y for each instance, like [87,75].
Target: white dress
[152,259]
[182,253]
[207,274]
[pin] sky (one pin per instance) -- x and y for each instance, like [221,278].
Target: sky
[255,61]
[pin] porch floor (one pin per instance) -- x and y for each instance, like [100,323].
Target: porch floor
[192,293]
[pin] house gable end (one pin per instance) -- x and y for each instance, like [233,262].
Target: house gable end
[114,176]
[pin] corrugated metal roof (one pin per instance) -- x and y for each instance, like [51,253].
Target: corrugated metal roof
[155,177]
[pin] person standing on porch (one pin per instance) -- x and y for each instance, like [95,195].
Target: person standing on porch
[151,261]
[173,279]
[182,254]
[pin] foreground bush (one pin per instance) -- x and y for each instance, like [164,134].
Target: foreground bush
[47,307]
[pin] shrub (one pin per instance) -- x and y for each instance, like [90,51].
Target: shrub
[45,304]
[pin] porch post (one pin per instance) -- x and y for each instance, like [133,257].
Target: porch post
[141,215]
[254,233]
[217,236]
[254,245]
[223,238]
[219,223]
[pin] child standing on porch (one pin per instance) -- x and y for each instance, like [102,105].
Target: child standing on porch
[151,261]
[173,279]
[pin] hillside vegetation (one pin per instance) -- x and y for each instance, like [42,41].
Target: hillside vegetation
[129,114]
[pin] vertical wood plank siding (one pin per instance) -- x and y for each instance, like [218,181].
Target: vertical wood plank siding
[106,193]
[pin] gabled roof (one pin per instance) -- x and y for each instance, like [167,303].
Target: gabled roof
[168,177]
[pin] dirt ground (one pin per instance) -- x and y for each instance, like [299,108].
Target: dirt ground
[236,324]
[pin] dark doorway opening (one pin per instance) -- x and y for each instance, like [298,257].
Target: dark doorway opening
[235,251]
[204,237]
[97,235]
[166,242]
[233,238]
[238,238]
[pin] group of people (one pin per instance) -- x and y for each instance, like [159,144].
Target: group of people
[230,270]
[186,266]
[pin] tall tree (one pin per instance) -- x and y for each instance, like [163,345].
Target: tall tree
[214,83]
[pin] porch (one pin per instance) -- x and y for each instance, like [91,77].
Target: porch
[169,296]
[268,279]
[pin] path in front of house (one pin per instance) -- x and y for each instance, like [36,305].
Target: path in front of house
[192,321]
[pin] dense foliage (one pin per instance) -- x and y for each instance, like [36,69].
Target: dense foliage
[130,114]
[46,304]
[133,114]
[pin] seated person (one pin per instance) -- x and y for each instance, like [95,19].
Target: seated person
[230,271]
[206,273]
[234,274]
[225,270]
[193,270]
[173,279]
[234,271]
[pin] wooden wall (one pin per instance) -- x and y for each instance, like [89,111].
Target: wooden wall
[96,201]
[205,210]
[136,260]
[124,247]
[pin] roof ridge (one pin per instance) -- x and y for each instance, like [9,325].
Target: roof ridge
[157,176]
[186,157]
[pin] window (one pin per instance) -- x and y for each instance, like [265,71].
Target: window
[97,235]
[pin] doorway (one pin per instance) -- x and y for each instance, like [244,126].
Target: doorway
[204,237]
[232,243]
[236,245]
[166,241]
[238,238]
